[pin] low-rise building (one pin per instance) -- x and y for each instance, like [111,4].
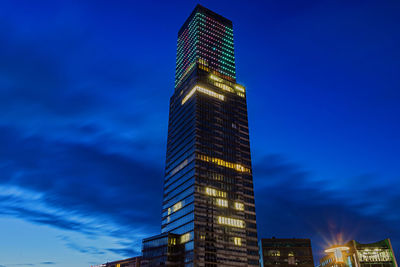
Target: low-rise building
[286,252]
[354,254]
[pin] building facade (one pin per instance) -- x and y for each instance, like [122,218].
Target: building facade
[286,252]
[208,187]
[163,250]
[354,254]
[130,262]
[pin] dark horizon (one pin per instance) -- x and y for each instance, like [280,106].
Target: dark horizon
[84,95]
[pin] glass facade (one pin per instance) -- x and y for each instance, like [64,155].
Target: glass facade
[208,188]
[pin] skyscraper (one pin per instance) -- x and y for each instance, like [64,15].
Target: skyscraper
[208,186]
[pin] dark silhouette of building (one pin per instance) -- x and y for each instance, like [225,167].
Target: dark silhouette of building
[208,187]
[354,254]
[130,262]
[163,250]
[286,252]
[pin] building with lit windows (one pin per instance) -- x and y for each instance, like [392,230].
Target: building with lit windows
[130,262]
[286,252]
[208,188]
[354,254]
[163,250]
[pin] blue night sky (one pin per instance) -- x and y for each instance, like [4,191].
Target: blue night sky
[84,98]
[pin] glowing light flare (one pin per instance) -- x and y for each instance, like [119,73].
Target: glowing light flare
[338,252]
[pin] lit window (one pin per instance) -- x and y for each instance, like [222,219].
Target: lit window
[185,238]
[224,87]
[237,241]
[239,206]
[274,253]
[177,206]
[215,78]
[239,88]
[202,90]
[221,162]
[215,193]
[172,241]
[230,222]
[221,202]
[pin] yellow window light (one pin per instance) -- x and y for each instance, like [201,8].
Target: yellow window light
[177,206]
[239,88]
[204,91]
[220,162]
[221,202]
[224,87]
[237,241]
[172,241]
[184,238]
[239,206]
[230,222]
[215,193]
[216,78]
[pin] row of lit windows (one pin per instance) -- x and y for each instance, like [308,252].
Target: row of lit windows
[226,71]
[175,207]
[214,55]
[221,162]
[184,238]
[228,88]
[219,41]
[224,87]
[203,38]
[224,203]
[218,24]
[217,36]
[224,50]
[225,59]
[218,30]
[227,77]
[189,69]
[214,192]
[208,48]
[221,202]
[202,90]
[187,58]
[187,53]
[231,222]
[220,70]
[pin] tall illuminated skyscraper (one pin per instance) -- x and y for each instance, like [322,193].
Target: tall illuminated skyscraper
[208,188]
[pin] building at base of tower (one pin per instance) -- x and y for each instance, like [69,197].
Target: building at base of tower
[286,252]
[354,254]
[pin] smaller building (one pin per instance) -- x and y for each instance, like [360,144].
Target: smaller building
[286,252]
[166,249]
[130,262]
[354,254]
